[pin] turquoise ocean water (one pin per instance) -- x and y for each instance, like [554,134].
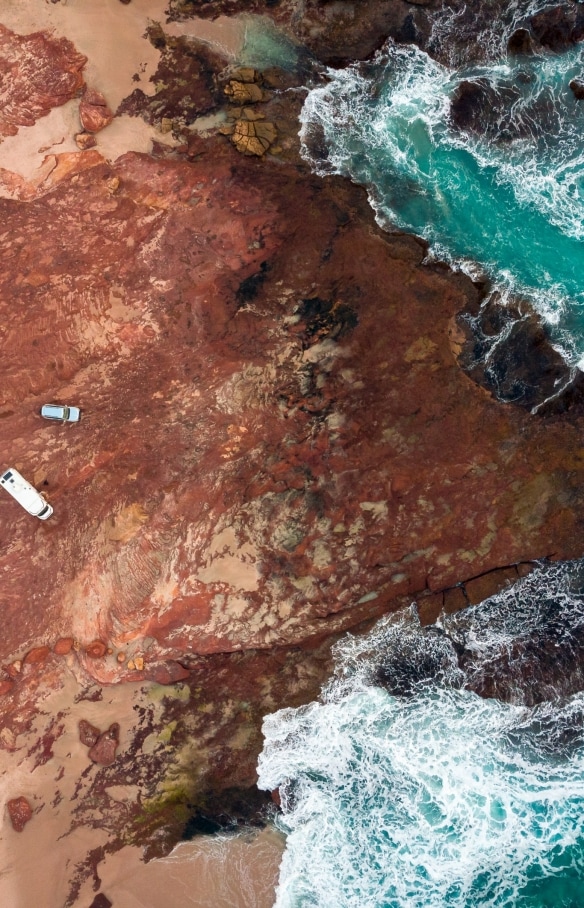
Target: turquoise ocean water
[445,768]
[509,203]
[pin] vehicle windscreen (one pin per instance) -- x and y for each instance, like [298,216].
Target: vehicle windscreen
[49,410]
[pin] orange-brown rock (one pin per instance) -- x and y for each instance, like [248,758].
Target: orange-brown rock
[88,733]
[253,137]
[243,92]
[37,73]
[6,687]
[481,588]
[277,438]
[37,655]
[63,646]
[96,650]
[85,140]
[94,112]
[20,812]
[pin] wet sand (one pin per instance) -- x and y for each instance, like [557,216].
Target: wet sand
[236,872]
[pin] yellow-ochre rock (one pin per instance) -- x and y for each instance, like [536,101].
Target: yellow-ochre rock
[243,92]
[253,137]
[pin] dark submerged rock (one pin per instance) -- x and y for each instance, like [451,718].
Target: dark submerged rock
[228,810]
[520,42]
[508,351]
[559,27]
[413,658]
[577,86]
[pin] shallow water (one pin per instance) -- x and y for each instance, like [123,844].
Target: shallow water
[509,196]
[437,797]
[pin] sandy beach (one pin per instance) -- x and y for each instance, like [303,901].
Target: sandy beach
[238,871]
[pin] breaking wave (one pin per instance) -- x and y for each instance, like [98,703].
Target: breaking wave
[403,788]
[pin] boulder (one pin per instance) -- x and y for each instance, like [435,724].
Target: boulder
[101,900]
[88,733]
[520,42]
[96,650]
[104,750]
[577,86]
[20,813]
[253,137]
[85,140]
[37,655]
[243,92]
[63,646]
[94,112]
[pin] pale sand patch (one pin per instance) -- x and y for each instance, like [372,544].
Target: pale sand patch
[231,872]
[112,35]
[109,33]
[37,864]
[230,562]
[224,34]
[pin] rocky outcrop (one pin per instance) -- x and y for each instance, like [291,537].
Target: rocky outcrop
[104,749]
[558,27]
[520,42]
[186,84]
[507,350]
[304,472]
[38,73]
[250,132]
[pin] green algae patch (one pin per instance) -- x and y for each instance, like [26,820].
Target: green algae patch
[160,692]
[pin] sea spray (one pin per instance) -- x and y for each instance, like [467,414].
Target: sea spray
[403,789]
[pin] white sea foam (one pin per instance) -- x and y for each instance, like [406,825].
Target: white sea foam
[511,200]
[438,798]
[480,31]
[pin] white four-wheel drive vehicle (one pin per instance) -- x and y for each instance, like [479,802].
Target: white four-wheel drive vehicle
[60,413]
[25,494]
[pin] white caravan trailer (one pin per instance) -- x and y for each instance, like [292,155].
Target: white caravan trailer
[25,494]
